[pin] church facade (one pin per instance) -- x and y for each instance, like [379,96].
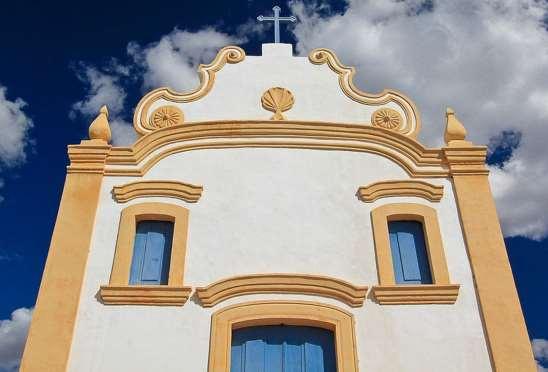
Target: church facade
[277,218]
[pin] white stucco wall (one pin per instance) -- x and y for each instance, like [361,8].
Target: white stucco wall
[266,210]
[277,210]
[237,91]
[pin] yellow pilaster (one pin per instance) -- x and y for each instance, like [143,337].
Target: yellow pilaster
[50,335]
[506,334]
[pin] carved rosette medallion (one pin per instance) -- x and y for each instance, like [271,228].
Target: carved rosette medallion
[166,116]
[387,118]
[277,100]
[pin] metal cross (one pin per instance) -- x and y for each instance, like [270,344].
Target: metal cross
[276,20]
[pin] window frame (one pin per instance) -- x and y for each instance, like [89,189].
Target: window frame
[119,291]
[388,291]
[300,313]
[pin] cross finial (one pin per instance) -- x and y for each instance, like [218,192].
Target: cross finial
[277,20]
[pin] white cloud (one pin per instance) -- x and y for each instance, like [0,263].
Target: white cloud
[13,334]
[103,88]
[172,62]
[174,59]
[14,129]
[540,349]
[488,60]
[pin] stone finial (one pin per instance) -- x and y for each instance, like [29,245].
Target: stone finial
[455,133]
[99,128]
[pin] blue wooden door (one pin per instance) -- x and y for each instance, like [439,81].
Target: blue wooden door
[151,253]
[409,255]
[282,349]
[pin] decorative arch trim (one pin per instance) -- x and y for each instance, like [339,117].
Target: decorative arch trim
[300,313]
[384,189]
[172,189]
[228,54]
[412,122]
[417,160]
[282,283]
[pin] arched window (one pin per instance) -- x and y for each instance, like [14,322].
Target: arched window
[248,336]
[409,256]
[151,253]
[149,260]
[283,348]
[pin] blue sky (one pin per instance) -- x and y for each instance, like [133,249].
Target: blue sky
[60,62]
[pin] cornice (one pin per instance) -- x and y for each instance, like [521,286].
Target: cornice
[417,160]
[416,294]
[144,295]
[282,283]
[174,189]
[229,54]
[412,122]
[384,189]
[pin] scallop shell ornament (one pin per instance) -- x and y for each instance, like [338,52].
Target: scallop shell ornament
[277,100]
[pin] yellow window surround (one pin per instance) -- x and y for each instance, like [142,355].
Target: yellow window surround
[388,292]
[301,313]
[118,291]
[281,283]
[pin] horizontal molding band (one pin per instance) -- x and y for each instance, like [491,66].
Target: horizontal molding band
[411,155]
[416,294]
[383,189]
[282,283]
[173,189]
[158,295]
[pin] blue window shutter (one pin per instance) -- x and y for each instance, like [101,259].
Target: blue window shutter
[282,348]
[151,253]
[409,256]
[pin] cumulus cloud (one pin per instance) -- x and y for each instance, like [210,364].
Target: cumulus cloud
[14,126]
[540,351]
[488,60]
[13,334]
[172,61]
[104,88]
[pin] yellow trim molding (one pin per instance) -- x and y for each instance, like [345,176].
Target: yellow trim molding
[142,189]
[380,217]
[141,118]
[281,283]
[145,295]
[383,189]
[412,123]
[417,160]
[119,278]
[503,320]
[416,294]
[50,335]
[300,313]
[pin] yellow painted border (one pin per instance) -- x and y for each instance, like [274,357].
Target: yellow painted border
[145,295]
[119,277]
[228,54]
[282,312]
[417,160]
[50,334]
[380,217]
[281,283]
[416,294]
[383,189]
[173,189]
[346,74]
[505,329]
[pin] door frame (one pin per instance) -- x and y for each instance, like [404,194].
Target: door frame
[299,313]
